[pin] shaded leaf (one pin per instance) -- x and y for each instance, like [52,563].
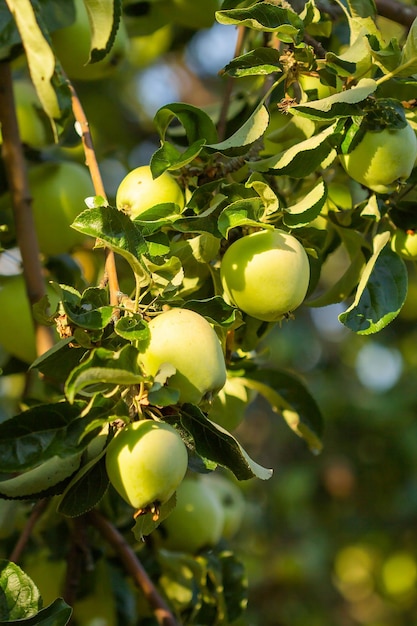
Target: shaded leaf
[104,18]
[261,61]
[307,209]
[263,16]
[196,123]
[167,157]
[251,130]
[86,488]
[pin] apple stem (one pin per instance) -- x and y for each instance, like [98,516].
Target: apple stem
[16,171]
[92,164]
[134,567]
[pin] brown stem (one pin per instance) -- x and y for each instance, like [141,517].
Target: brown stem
[24,537]
[91,162]
[134,567]
[221,126]
[16,171]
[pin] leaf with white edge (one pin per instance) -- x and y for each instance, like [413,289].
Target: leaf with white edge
[266,17]
[342,104]
[215,310]
[167,157]
[307,209]
[40,59]
[19,596]
[408,61]
[104,370]
[104,18]
[250,131]
[288,395]
[301,159]
[117,230]
[217,445]
[267,195]
[258,62]
[381,292]
[246,212]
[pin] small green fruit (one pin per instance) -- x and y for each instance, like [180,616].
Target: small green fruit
[383,159]
[174,337]
[197,520]
[145,462]
[139,191]
[266,274]
[404,243]
[231,499]
[34,128]
[229,406]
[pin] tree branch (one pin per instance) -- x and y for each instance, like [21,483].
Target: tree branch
[133,566]
[91,162]
[16,170]
[24,537]
[397,12]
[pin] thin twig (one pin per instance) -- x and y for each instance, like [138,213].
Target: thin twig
[134,567]
[17,176]
[37,512]
[91,162]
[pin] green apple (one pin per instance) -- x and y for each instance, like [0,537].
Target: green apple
[229,405]
[190,13]
[17,335]
[266,274]
[176,336]
[231,499]
[404,243]
[145,49]
[139,191]
[72,47]
[145,462]
[197,520]
[58,189]
[382,159]
[34,128]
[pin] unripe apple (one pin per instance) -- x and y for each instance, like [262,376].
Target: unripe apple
[17,335]
[404,243]
[231,499]
[190,13]
[145,462]
[58,190]
[176,337]
[197,520]
[72,47]
[382,159]
[229,405]
[266,274]
[139,191]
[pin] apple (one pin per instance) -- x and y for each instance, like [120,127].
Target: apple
[229,405]
[72,47]
[145,462]
[176,336]
[58,189]
[404,243]
[145,49]
[34,128]
[383,159]
[265,274]
[189,13]
[17,335]
[139,191]
[197,520]
[231,499]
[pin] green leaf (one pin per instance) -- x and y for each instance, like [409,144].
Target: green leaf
[307,209]
[288,395]
[258,62]
[381,292]
[146,524]
[265,16]
[133,328]
[409,53]
[196,123]
[117,230]
[91,310]
[41,432]
[19,596]
[104,370]
[86,489]
[245,212]
[250,131]
[167,157]
[301,159]
[218,446]
[342,104]
[215,310]
[104,18]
